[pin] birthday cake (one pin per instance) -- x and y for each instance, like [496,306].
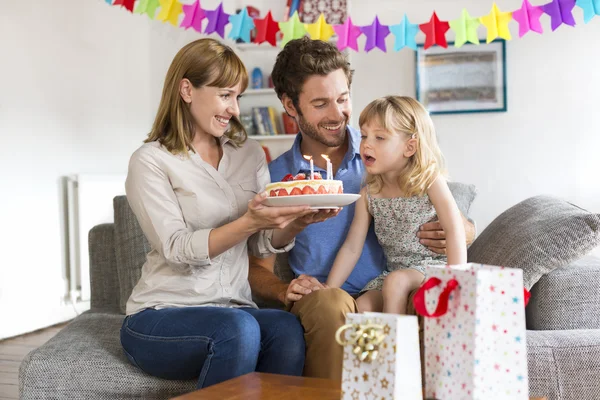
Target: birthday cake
[299,185]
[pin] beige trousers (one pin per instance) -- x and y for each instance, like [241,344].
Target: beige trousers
[321,313]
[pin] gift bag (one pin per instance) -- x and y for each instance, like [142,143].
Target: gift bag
[381,357]
[474,332]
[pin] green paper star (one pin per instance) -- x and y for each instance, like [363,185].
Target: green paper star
[465,29]
[147,7]
[292,29]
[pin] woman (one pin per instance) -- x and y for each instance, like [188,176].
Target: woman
[194,188]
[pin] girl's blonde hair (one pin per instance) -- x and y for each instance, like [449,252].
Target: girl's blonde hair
[204,62]
[406,116]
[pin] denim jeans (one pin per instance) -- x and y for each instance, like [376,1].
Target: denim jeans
[213,344]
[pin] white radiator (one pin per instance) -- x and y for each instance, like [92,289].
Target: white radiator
[89,203]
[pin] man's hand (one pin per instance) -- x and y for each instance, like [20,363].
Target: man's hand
[300,287]
[432,235]
[313,218]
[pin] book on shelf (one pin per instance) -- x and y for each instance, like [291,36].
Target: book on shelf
[265,121]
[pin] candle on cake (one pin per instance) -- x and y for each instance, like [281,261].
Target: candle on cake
[312,166]
[329,167]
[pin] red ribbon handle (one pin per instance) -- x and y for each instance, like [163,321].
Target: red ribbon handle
[442,307]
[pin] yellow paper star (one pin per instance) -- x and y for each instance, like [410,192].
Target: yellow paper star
[496,23]
[320,30]
[292,29]
[169,11]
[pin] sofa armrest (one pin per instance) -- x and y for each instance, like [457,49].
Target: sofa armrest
[104,280]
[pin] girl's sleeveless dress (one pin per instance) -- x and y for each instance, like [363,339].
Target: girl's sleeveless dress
[397,221]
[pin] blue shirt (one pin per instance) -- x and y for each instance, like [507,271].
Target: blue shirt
[317,246]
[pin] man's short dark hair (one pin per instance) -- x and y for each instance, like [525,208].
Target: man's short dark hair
[302,58]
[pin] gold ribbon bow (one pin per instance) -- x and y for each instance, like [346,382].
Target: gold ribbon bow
[365,338]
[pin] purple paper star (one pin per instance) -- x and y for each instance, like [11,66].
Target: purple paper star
[528,17]
[376,34]
[194,14]
[560,12]
[217,19]
[347,34]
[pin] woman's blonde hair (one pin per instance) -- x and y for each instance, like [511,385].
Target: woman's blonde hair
[406,116]
[204,62]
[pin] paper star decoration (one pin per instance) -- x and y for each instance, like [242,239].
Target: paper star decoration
[194,14]
[169,11]
[241,26]
[405,33]
[465,29]
[560,12]
[292,29]
[127,4]
[348,34]
[109,2]
[320,30]
[591,8]
[435,32]
[217,19]
[496,23]
[528,17]
[266,30]
[376,34]
[147,7]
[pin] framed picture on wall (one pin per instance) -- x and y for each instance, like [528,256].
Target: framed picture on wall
[468,79]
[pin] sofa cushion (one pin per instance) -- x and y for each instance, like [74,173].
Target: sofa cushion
[567,298]
[564,365]
[463,194]
[538,235]
[85,360]
[131,248]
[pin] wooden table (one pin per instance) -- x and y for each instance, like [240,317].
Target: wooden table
[259,386]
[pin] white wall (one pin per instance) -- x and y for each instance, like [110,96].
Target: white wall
[80,82]
[547,142]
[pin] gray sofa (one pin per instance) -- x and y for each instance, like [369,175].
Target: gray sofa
[85,359]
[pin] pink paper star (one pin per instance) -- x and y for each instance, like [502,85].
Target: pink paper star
[194,14]
[347,34]
[528,17]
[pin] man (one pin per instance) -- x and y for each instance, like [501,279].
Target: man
[312,79]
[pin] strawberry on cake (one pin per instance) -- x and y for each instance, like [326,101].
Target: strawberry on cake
[300,185]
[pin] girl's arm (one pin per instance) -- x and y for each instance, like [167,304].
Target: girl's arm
[353,245]
[450,219]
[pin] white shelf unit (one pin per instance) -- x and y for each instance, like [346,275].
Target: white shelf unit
[262,91]
[283,136]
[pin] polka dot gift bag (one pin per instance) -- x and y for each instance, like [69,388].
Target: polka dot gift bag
[381,357]
[474,332]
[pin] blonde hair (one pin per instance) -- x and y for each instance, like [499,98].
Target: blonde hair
[406,116]
[204,62]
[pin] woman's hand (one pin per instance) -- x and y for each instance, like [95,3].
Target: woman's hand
[261,216]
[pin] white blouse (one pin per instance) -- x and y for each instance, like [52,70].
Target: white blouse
[177,201]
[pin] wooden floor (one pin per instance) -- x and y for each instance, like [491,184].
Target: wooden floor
[13,351]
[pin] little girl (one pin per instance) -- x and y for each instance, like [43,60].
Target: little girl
[405,188]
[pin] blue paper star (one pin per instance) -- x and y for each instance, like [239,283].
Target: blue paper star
[376,34]
[217,19]
[515,300]
[405,33]
[241,26]
[590,8]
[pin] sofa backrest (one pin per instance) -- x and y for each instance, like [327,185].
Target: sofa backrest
[131,248]
[131,245]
